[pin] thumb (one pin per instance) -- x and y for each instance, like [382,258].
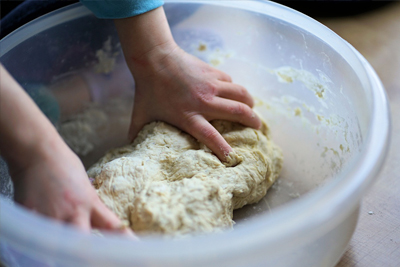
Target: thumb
[138,121]
[103,218]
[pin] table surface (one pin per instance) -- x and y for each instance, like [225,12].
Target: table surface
[376,241]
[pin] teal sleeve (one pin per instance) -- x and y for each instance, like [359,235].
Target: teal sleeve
[119,9]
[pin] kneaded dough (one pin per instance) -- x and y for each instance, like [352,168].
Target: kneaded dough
[166,182]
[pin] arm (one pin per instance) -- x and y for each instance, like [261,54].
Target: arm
[178,88]
[48,177]
[171,85]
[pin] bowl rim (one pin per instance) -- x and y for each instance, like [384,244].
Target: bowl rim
[275,229]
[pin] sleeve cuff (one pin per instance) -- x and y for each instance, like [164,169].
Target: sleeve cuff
[119,9]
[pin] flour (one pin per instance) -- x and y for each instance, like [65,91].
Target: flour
[79,132]
[84,131]
[106,58]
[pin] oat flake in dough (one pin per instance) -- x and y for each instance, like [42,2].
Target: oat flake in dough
[166,182]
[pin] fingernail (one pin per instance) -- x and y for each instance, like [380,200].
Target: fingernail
[226,154]
[232,159]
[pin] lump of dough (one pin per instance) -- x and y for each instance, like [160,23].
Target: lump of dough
[185,206]
[167,182]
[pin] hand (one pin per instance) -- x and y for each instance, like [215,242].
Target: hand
[48,177]
[184,91]
[177,88]
[57,186]
[54,183]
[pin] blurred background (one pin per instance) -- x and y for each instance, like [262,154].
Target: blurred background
[21,13]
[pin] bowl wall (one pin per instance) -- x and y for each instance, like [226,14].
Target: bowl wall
[316,93]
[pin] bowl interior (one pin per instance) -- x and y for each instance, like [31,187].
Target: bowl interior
[312,99]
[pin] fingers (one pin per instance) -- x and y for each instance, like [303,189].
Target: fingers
[81,219]
[235,92]
[225,109]
[203,131]
[222,76]
[103,218]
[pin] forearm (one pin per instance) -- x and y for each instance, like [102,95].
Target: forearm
[145,39]
[23,127]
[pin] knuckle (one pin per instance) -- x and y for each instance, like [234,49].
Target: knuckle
[205,94]
[226,77]
[212,88]
[240,110]
[209,133]
[243,92]
[189,123]
[205,132]
[189,119]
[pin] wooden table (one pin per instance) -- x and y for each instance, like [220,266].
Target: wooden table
[376,241]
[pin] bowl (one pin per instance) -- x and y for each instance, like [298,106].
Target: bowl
[324,104]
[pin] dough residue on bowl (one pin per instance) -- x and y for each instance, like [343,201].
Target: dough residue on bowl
[166,182]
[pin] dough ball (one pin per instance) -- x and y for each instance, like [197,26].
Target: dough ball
[166,182]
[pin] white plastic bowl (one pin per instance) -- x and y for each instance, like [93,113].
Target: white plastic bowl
[325,106]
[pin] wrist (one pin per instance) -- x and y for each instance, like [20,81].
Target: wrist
[154,60]
[146,40]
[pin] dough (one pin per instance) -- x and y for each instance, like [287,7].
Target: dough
[166,182]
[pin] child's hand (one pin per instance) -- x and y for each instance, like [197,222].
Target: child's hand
[184,91]
[48,177]
[54,183]
[178,88]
